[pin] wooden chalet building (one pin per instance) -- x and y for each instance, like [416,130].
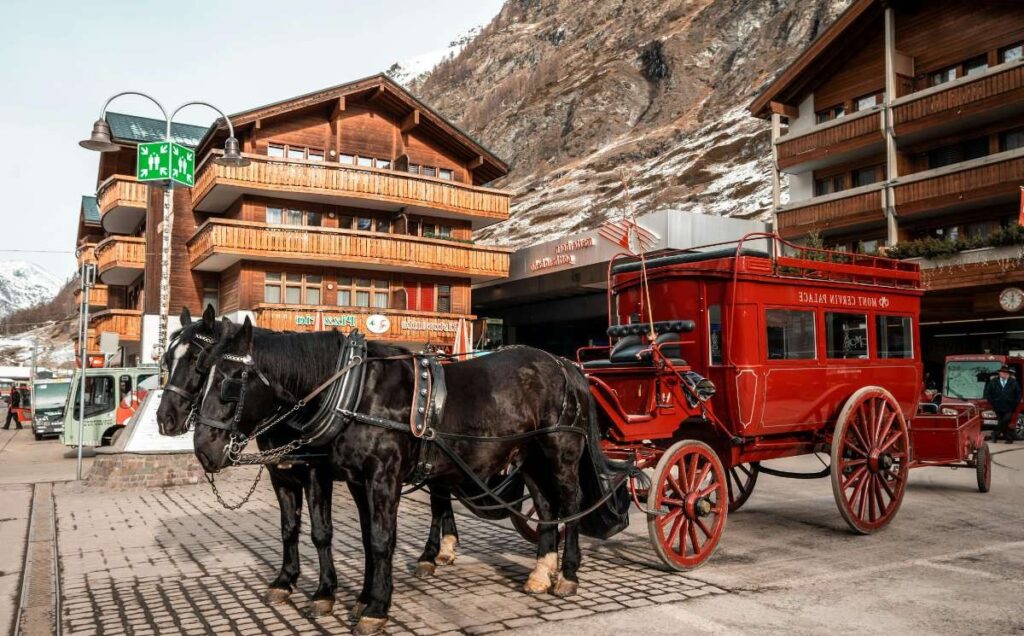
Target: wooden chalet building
[904,121]
[356,211]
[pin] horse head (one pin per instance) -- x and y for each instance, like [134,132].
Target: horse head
[186,368]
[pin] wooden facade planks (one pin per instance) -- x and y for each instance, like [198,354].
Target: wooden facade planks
[848,134]
[121,191]
[86,253]
[326,179]
[260,241]
[405,326]
[126,323]
[121,252]
[854,209]
[944,188]
[98,296]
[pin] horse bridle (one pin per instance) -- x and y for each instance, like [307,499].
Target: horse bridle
[205,343]
[233,390]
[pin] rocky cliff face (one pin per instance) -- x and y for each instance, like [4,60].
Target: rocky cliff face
[582,96]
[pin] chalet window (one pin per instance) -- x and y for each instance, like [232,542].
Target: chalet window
[1011,53]
[444,298]
[382,224]
[976,65]
[828,185]
[715,333]
[429,171]
[414,168]
[384,164]
[293,288]
[363,292]
[315,155]
[364,224]
[943,76]
[791,334]
[296,153]
[281,216]
[895,337]
[981,229]
[432,230]
[347,159]
[957,153]
[868,101]
[869,246]
[1011,140]
[366,162]
[345,222]
[446,174]
[835,112]
[865,176]
[211,298]
[275,150]
[847,335]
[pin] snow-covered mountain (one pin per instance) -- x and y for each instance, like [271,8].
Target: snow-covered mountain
[416,68]
[25,284]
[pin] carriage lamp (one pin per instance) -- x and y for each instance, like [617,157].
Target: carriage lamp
[100,140]
[232,155]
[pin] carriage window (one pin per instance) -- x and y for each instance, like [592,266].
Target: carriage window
[790,334]
[715,333]
[895,337]
[847,335]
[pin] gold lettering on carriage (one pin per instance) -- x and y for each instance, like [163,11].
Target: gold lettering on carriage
[842,300]
[421,324]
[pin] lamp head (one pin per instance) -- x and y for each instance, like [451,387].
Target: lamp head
[100,140]
[232,155]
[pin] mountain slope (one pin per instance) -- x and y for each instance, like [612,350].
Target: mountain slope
[24,284]
[581,96]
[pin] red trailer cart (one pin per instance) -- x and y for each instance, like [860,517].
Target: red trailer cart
[728,355]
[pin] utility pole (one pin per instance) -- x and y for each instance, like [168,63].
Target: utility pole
[88,279]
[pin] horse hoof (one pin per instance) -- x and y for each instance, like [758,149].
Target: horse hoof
[357,610]
[321,607]
[564,587]
[537,584]
[367,626]
[277,596]
[444,559]
[425,570]
[447,554]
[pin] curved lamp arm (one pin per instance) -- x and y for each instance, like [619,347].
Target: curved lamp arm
[231,129]
[103,113]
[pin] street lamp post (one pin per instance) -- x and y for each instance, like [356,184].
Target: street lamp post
[100,140]
[88,279]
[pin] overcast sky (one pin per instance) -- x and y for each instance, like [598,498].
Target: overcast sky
[61,59]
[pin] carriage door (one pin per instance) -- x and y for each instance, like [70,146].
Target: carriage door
[794,383]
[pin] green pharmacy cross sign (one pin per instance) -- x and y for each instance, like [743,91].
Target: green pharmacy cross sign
[163,160]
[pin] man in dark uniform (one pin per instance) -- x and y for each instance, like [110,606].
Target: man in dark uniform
[1003,393]
[15,402]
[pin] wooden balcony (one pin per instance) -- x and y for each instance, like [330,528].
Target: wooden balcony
[217,187]
[402,325]
[218,244]
[988,180]
[121,259]
[996,93]
[973,268]
[86,253]
[98,297]
[122,202]
[848,210]
[126,323]
[843,139]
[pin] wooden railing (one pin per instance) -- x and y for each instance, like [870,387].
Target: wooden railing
[121,251]
[121,191]
[402,325]
[832,138]
[854,207]
[998,175]
[986,266]
[86,253]
[962,97]
[260,241]
[264,175]
[127,323]
[98,296]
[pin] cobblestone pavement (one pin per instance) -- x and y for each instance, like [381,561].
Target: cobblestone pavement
[173,561]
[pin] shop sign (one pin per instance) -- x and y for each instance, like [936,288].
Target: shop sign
[427,324]
[376,323]
[308,320]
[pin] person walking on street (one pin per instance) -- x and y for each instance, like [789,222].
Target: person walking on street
[15,403]
[1003,393]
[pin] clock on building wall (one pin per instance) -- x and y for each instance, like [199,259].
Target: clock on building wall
[1011,299]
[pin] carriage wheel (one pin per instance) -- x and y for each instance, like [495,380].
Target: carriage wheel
[740,480]
[529,529]
[870,459]
[689,484]
[983,467]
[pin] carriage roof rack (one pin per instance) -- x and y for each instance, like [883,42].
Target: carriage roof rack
[787,260]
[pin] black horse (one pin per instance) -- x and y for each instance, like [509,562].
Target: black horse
[187,368]
[509,394]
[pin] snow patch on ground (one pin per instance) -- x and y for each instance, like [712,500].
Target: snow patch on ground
[55,348]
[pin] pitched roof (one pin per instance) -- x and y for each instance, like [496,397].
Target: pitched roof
[389,94]
[90,210]
[135,129]
[814,56]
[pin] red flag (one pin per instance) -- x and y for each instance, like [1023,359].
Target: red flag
[1020,217]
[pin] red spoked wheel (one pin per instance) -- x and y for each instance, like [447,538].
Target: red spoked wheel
[740,480]
[870,459]
[983,467]
[689,488]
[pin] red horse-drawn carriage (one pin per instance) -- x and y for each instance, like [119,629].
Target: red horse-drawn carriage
[729,355]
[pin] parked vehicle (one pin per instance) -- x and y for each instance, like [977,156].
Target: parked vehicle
[111,398]
[48,407]
[965,378]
